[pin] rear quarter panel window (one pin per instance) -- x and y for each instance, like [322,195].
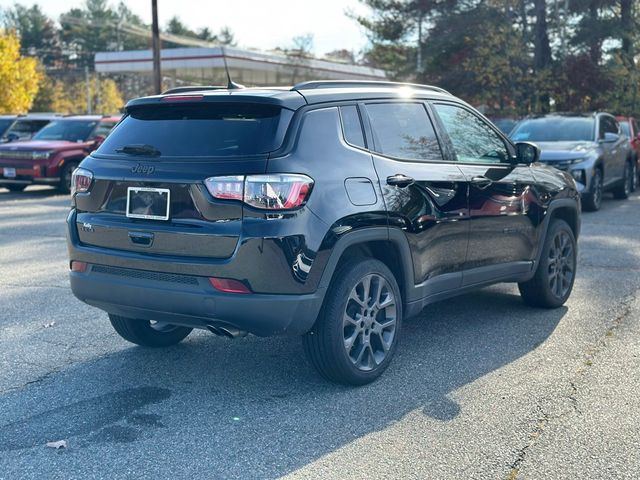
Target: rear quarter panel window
[352,126]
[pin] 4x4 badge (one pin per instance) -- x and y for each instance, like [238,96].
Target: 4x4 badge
[146,169]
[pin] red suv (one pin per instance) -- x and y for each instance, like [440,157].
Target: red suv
[630,128]
[52,154]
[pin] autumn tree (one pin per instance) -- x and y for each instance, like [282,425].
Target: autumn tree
[19,76]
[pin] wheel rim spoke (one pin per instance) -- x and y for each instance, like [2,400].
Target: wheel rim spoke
[561,267]
[369,322]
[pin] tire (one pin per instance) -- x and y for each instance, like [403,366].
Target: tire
[147,334]
[624,189]
[559,256]
[592,200]
[636,175]
[15,187]
[347,317]
[64,184]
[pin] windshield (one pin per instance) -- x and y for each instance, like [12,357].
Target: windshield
[69,130]
[200,130]
[555,129]
[624,126]
[4,124]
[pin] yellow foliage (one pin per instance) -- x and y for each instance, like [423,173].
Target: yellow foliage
[59,96]
[19,76]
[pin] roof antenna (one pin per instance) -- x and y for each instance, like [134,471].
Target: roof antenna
[231,85]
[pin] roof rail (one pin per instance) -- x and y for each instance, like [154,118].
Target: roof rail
[194,88]
[359,83]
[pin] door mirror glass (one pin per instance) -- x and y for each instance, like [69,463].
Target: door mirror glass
[527,153]
[610,137]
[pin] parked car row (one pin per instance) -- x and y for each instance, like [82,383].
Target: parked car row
[594,148]
[23,127]
[53,153]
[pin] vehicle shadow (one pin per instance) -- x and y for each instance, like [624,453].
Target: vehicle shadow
[254,405]
[30,193]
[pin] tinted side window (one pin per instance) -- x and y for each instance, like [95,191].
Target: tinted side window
[474,141]
[403,130]
[608,125]
[351,126]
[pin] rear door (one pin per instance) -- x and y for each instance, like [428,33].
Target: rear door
[614,151]
[501,201]
[425,196]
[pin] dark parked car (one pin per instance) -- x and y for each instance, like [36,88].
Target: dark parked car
[24,127]
[589,146]
[52,155]
[331,210]
[630,128]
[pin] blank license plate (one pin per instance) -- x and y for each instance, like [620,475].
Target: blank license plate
[9,172]
[148,203]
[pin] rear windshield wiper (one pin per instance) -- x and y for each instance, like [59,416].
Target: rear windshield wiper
[139,150]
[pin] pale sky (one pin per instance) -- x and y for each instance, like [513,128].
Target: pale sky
[262,24]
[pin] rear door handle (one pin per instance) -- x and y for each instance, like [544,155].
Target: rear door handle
[400,180]
[481,182]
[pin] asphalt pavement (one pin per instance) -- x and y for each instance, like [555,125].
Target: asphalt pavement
[482,387]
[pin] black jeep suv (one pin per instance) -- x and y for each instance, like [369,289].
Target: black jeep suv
[331,210]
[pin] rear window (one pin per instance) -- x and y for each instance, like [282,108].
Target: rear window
[624,126]
[201,130]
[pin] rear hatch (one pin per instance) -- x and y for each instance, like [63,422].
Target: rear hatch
[148,192]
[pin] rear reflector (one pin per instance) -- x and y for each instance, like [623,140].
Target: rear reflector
[228,285]
[78,266]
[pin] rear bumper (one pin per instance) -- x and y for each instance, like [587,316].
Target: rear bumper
[193,302]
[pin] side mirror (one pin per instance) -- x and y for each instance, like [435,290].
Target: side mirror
[12,137]
[610,137]
[527,153]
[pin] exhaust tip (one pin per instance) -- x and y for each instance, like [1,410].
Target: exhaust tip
[225,331]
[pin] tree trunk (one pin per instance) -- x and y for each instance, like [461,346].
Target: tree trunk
[595,42]
[626,26]
[542,50]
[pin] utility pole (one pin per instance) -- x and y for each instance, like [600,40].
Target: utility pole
[87,82]
[155,45]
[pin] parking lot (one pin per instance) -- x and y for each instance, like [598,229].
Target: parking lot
[482,386]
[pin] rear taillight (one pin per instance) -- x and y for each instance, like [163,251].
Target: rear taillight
[280,191]
[226,188]
[81,180]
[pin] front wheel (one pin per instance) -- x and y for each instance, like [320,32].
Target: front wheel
[592,200]
[356,333]
[15,187]
[553,281]
[148,333]
[64,184]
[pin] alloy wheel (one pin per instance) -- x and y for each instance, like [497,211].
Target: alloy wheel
[561,264]
[369,322]
[597,188]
